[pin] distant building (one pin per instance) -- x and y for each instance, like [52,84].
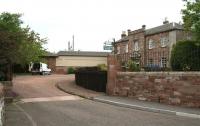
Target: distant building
[60,62]
[151,46]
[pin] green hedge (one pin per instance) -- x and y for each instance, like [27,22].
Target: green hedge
[185,56]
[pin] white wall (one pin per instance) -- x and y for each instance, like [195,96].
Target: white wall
[80,61]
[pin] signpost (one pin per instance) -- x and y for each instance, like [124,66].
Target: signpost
[108,45]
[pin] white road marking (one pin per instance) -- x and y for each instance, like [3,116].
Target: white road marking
[148,108]
[46,99]
[188,115]
[27,115]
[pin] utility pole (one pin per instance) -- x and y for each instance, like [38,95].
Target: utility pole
[73,42]
[69,47]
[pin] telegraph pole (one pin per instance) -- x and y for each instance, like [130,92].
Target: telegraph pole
[73,42]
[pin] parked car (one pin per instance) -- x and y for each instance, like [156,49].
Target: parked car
[40,68]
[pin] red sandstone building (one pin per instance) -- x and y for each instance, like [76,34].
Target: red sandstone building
[150,46]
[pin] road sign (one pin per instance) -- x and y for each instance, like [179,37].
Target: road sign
[107,47]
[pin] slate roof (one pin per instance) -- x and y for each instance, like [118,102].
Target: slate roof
[158,29]
[163,28]
[82,53]
[49,54]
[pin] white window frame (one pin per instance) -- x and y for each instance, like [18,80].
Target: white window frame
[136,46]
[126,48]
[151,44]
[163,41]
[118,49]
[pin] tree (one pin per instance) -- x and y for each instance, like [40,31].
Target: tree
[185,56]
[191,17]
[18,44]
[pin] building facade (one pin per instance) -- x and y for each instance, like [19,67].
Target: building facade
[60,62]
[150,47]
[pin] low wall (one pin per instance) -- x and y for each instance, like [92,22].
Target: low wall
[6,96]
[176,88]
[1,104]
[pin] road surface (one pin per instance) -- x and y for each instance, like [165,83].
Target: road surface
[42,104]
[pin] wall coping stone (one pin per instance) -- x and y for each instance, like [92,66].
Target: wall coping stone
[160,73]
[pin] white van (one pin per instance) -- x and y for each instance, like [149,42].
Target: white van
[40,68]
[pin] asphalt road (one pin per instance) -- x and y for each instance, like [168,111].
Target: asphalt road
[58,109]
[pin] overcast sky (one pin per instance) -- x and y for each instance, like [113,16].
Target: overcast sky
[91,21]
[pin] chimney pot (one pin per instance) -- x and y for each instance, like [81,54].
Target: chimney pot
[123,34]
[143,26]
[129,31]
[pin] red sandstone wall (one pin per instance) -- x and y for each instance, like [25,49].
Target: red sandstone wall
[176,88]
[51,62]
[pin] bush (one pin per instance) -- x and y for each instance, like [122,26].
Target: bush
[70,70]
[132,66]
[102,67]
[185,56]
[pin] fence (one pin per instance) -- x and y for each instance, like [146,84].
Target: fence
[91,78]
[162,60]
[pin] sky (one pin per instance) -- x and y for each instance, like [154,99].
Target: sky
[92,22]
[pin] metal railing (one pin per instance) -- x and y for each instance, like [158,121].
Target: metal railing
[160,60]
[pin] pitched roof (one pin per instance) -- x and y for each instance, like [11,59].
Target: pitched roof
[82,53]
[163,28]
[158,29]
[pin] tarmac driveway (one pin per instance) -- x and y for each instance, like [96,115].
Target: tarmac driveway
[35,86]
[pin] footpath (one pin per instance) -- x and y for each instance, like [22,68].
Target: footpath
[74,89]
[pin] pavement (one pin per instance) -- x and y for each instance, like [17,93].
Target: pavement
[74,89]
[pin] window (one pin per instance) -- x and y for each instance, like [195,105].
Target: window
[163,41]
[118,49]
[126,48]
[151,44]
[163,62]
[136,46]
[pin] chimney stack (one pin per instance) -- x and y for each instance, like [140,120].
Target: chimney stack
[123,34]
[165,21]
[129,31]
[143,27]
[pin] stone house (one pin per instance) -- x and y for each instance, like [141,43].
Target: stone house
[61,61]
[150,46]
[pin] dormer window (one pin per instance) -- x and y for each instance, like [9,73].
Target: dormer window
[151,44]
[163,41]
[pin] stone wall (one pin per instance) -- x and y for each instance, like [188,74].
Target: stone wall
[6,96]
[175,88]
